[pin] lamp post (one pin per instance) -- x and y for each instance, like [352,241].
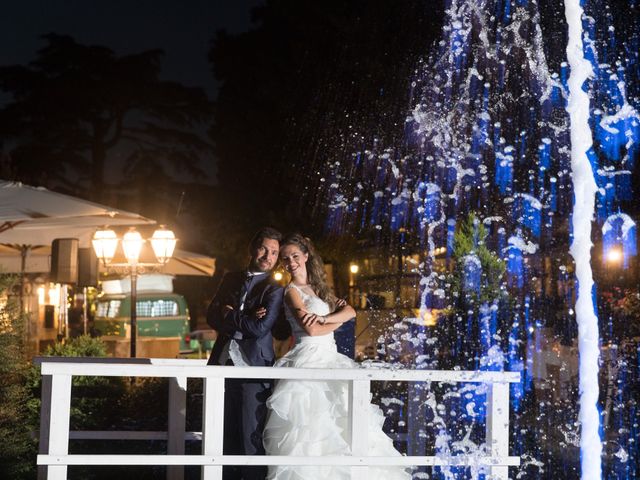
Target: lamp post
[105,242]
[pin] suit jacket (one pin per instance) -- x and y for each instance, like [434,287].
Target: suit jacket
[252,335]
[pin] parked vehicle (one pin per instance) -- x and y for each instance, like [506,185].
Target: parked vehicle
[201,342]
[162,318]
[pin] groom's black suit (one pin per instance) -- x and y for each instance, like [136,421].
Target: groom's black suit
[245,408]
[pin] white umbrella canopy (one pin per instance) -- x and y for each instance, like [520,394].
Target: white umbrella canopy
[189,263]
[33,217]
[39,261]
[181,262]
[37,216]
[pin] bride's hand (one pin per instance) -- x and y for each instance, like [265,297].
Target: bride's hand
[310,318]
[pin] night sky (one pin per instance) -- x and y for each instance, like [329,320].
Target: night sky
[183,29]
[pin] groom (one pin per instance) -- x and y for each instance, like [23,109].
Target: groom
[243,312]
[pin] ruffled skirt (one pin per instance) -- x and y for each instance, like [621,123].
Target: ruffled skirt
[310,418]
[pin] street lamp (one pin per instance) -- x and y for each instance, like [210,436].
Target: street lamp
[163,243]
[105,242]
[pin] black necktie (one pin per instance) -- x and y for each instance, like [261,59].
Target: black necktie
[245,288]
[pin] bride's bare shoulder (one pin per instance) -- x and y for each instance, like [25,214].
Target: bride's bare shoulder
[292,292]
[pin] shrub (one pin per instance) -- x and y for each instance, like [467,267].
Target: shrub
[95,402]
[17,445]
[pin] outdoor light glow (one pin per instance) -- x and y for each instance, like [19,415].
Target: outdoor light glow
[163,243]
[132,244]
[441,250]
[614,255]
[354,268]
[277,276]
[428,315]
[41,296]
[54,294]
[104,244]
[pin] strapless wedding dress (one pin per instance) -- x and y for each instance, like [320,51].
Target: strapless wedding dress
[310,418]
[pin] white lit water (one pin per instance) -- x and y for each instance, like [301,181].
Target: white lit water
[584,188]
[497,128]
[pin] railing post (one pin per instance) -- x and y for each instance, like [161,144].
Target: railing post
[212,424]
[59,424]
[176,425]
[45,420]
[416,418]
[359,424]
[498,427]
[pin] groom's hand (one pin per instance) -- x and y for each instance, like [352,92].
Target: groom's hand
[260,312]
[226,309]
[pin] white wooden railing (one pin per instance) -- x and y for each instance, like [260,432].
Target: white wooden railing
[54,457]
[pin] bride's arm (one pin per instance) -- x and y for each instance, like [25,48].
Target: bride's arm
[293,299]
[342,314]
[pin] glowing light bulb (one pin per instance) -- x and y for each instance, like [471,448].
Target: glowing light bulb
[132,244]
[614,255]
[104,244]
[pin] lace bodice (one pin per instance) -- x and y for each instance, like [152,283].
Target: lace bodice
[312,303]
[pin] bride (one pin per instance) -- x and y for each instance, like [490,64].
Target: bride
[310,418]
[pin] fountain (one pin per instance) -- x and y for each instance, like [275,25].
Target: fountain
[510,149]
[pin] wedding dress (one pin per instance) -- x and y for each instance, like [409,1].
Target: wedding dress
[310,417]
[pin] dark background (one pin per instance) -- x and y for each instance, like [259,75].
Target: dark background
[292,85]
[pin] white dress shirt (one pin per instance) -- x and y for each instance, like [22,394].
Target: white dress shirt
[231,350]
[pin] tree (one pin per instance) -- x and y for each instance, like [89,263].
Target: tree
[75,105]
[475,285]
[470,241]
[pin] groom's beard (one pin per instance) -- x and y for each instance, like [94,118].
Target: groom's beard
[262,265]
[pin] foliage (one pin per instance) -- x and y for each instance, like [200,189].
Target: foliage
[17,447]
[82,346]
[74,105]
[623,304]
[112,403]
[95,400]
[470,239]
[459,330]
[20,384]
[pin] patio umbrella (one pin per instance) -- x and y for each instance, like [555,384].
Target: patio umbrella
[39,261]
[37,216]
[189,263]
[11,259]
[34,216]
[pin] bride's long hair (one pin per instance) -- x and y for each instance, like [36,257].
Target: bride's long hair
[316,275]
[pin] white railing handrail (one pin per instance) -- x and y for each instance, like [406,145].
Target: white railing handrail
[171,369]
[346,460]
[57,373]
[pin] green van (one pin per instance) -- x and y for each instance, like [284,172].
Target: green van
[163,323]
